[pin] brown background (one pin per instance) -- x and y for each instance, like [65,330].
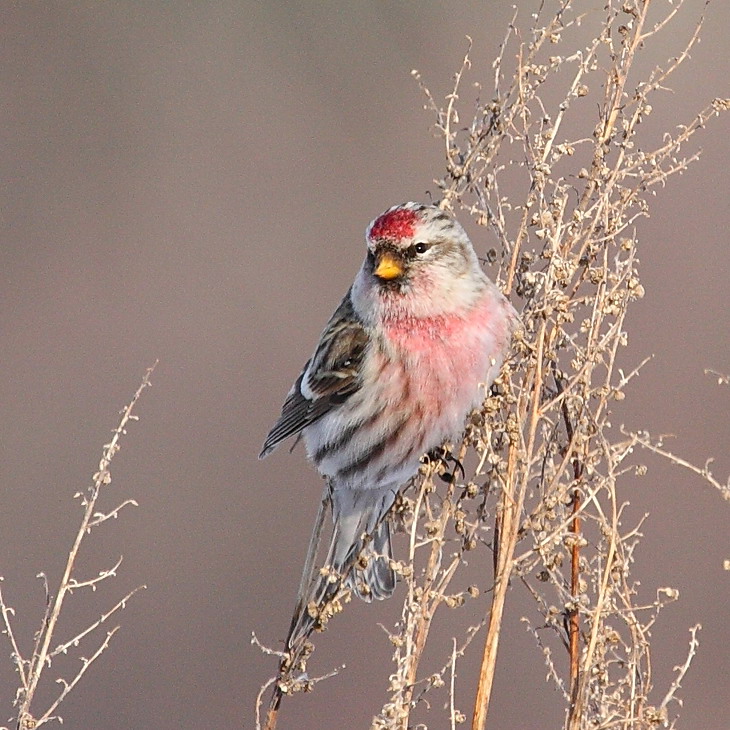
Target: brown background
[191,182]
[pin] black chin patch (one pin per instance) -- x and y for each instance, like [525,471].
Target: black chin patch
[392,285]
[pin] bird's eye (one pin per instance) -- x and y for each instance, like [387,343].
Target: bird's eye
[421,247]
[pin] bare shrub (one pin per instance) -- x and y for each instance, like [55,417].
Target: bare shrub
[562,132]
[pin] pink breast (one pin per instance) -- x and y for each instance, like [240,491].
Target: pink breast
[441,362]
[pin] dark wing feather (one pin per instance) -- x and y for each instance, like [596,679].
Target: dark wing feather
[332,375]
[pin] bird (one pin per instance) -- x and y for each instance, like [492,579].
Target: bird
[411,350]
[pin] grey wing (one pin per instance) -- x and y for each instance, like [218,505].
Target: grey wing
[327,380]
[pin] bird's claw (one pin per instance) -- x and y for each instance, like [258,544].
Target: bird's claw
[450,463]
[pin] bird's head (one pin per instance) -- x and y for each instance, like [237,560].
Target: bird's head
[418,256]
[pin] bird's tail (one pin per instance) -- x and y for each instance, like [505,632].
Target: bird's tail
[359,555]
[361,548]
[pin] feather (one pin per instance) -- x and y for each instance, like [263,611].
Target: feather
[328,379]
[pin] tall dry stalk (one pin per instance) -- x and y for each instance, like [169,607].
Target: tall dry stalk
[34,665]
[553,161]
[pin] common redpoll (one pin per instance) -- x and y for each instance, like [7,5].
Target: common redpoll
[408,354]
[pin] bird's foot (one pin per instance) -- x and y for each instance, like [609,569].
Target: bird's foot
[448,462]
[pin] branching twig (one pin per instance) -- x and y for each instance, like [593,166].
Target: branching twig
[702,471]
[555,163]
[32,670]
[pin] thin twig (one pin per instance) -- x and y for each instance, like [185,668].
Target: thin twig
[42,654]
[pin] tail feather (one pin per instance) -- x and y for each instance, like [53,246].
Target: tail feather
[360,553]
[362,533]
[377,580]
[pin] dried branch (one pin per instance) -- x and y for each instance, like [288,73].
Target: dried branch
[68,686]
[555,163]
[703,471]
[74,641]
[568,251]
[682,670]
[32,670]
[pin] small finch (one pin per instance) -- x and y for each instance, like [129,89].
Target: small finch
[397,370]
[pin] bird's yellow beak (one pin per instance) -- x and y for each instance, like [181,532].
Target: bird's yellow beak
[389,266]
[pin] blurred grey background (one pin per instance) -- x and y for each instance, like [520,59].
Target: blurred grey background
[191,182]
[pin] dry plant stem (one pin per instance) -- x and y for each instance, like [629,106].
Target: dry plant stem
[574,614]
[569,252]
[563,206]
[42,653]
[702,471]
[512,502]
[575,527]
[420,611]
[684,668]
[578,699]
[452,687]
[272,715]
[307,685]
[68,686]
[613,103]
[508,532]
